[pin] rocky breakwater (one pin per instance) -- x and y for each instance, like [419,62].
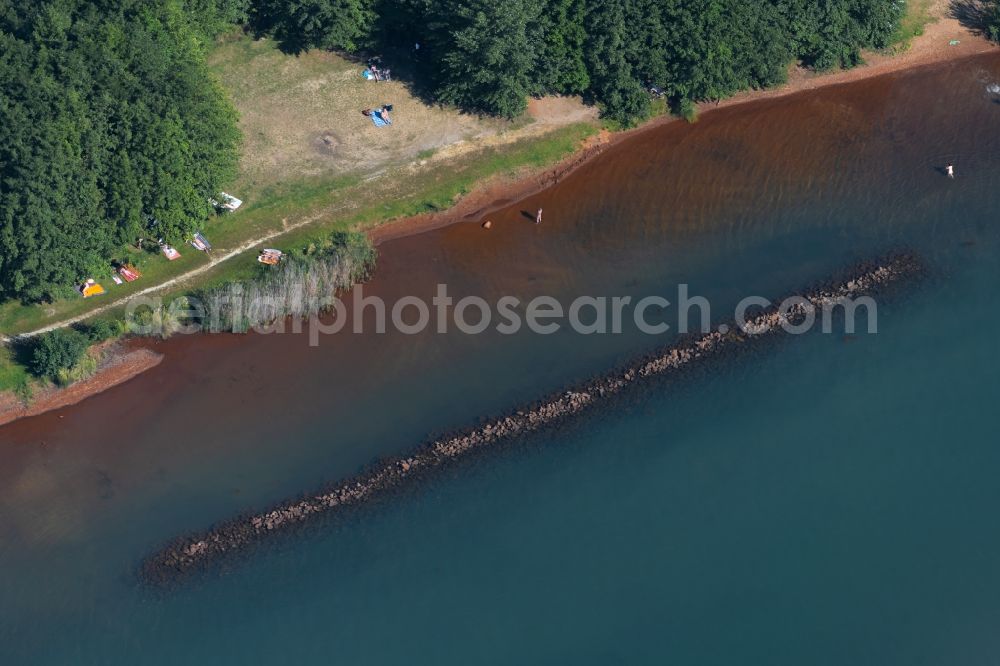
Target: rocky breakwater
[198,551]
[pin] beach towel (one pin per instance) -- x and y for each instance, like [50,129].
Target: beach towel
[378,120]
[129,273]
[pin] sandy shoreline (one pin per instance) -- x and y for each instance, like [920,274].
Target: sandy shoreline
[117,367]
[932,48]
[495,193]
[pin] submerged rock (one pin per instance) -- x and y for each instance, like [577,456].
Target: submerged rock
[198,551]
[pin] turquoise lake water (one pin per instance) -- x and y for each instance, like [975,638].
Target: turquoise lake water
[826,500]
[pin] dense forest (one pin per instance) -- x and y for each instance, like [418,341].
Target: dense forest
[993,20]
[489,55]
[111,128]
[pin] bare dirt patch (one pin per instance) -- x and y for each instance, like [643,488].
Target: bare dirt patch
[281,136]
[327,143]
[557,110]
[301,115]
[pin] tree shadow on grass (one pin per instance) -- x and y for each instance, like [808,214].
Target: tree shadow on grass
[394,45]
[976,15]
[22,350]
[408,69]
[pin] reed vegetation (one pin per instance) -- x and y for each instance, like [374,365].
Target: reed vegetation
[303,284]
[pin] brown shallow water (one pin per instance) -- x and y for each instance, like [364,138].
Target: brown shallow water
[663,207]
[712,204]
[709,519]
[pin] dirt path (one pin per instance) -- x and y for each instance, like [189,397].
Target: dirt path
[183,277]
[553,113]
[931,47]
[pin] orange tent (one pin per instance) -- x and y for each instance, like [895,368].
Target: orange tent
[91,288]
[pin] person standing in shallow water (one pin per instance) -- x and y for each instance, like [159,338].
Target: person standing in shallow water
[538,216]
[950,169]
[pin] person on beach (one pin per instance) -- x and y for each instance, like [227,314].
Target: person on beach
[538,216]
[951,170]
